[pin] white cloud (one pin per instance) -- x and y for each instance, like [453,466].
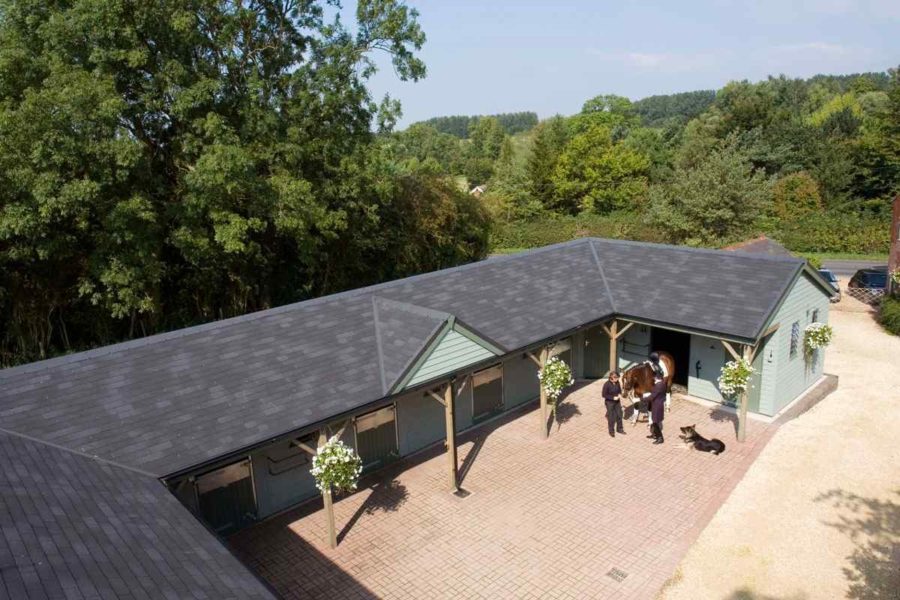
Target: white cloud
[661,61]
[818,48]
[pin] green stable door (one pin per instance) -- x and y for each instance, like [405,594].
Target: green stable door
[376,438]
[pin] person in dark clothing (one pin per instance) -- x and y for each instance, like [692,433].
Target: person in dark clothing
[612,392]
[657,401]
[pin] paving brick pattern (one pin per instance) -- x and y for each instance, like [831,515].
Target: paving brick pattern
[544,518]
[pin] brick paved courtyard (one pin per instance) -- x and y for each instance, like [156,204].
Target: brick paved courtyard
[544,518]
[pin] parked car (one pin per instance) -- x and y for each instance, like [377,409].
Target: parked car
[831,278]
[868,285]
[872,277]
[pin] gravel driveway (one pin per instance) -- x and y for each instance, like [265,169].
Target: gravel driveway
[818,513]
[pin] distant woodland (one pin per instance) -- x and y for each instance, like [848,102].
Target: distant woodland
[812,163]
[168,164]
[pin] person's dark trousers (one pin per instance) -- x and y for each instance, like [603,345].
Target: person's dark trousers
[614,415]
[656,431]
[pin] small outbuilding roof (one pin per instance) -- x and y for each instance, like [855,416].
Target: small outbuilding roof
[760,245]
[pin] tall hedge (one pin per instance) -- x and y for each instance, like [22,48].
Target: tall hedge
[890,315]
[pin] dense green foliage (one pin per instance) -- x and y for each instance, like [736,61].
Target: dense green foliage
[461,125]
[673,109]
[168,163]
[812,163]
[890,314]
[533,233]
[720,198]
[164,164]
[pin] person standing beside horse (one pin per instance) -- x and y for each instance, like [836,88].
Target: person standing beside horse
[657,401]
[612,393]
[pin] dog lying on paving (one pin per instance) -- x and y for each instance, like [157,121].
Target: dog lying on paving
[690,436]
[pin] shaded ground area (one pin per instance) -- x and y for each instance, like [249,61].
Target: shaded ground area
[544,518]
[818,514]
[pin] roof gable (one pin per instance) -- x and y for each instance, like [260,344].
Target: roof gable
[454,349]
[402,330]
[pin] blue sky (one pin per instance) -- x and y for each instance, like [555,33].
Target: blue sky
[496,56]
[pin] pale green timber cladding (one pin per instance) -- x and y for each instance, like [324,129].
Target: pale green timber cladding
[595,353]
[764,371]
[279,487]
[282,478]
[520,382]
[452,353]
[463,403]
[420,421]
[711,355]
[578,355]
[634,346]
[792,376]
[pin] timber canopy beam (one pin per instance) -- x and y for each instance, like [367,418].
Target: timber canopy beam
[446,399]
[541,362]
[748,353]
[615,332]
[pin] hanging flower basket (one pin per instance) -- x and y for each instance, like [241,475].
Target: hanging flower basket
[336,466]
[555,377]
[735,377]
[816,336]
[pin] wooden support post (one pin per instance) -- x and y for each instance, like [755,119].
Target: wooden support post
[745,398]
[545,352]
[613,333]
[328,501]
[450,417]
[731,350]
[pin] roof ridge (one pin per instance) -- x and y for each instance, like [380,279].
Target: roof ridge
[441,317]
[105,461]
[378,349]
[598,262]
[219,323]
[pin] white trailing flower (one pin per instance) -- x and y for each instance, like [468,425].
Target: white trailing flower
[735,377]
[555,377]
[816,336]
[336,466]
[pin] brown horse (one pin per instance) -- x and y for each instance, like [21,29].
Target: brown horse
[637,380]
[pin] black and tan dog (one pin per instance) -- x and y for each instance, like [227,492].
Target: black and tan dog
[689,435]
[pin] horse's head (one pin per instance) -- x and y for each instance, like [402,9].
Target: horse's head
[629,380]
[635,379]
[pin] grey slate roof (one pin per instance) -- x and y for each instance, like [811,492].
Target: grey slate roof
[727,293]
[169,402]
[164,404]
[73,527]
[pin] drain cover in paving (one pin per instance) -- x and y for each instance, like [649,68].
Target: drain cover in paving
[617,574]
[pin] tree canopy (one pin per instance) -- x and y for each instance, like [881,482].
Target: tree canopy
[167,163]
